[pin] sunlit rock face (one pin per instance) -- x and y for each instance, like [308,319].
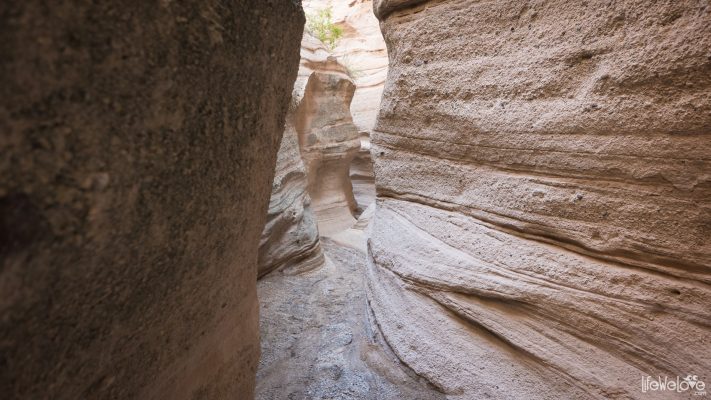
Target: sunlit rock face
[543,175]
[361,174]
[138,142]
[290,238]
[329,141]
[327,137]
[319,143]
[362,50]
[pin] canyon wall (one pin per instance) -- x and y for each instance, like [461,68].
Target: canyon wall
[314,161]
[290,238]
[327,136]
[138,147]
[544,195]
[362,51]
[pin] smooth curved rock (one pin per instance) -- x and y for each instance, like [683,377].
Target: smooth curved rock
[290,238]
[543,174]
[138,145]
[327,137]
[318,128]
[329,141]
[362,175]
[362,51]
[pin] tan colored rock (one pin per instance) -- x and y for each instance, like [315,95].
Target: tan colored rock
[362,50]
[290,238]
[319,127]
[543,173]
[138,143]
[327,137]
[361,175]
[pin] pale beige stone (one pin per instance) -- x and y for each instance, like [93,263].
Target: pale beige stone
[362,50]
[319,129]
[290,238]
[543,173]
[328,139]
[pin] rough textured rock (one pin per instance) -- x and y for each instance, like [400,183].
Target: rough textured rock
[138,144]
[362,50]
[318,337]
[290,238]
[543,173]
[327,137]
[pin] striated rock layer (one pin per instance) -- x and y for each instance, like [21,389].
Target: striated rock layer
[361,175]
[138,144]
[362,51]
[290,237]
[327,137]
[543,174]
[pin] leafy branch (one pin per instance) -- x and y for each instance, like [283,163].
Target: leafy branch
[322,27]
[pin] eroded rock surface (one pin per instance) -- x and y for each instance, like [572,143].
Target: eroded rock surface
[543,173]
[327,137]
[362,50]
[290,238]
[320,129]
[138,143]
[362,175]
[319,340]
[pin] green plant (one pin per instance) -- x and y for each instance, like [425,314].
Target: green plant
[322,27]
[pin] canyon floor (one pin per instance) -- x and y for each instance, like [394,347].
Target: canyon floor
[319,339]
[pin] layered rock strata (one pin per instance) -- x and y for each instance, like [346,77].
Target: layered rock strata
[362,51]
[543,175]
[138,144]
[290,238]
[361,175]
[317,149]
[327,137]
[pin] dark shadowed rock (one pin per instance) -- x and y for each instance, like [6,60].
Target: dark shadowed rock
[543,174]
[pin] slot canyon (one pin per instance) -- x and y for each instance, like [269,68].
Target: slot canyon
[355,199]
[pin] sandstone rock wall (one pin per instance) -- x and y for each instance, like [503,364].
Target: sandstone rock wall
[327,136]
[362,176]
[290,237]
[138,144]
[362,50]
[543,173]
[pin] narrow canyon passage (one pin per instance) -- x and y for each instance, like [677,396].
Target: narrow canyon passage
[526,241]
[319,339]
[355,199]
